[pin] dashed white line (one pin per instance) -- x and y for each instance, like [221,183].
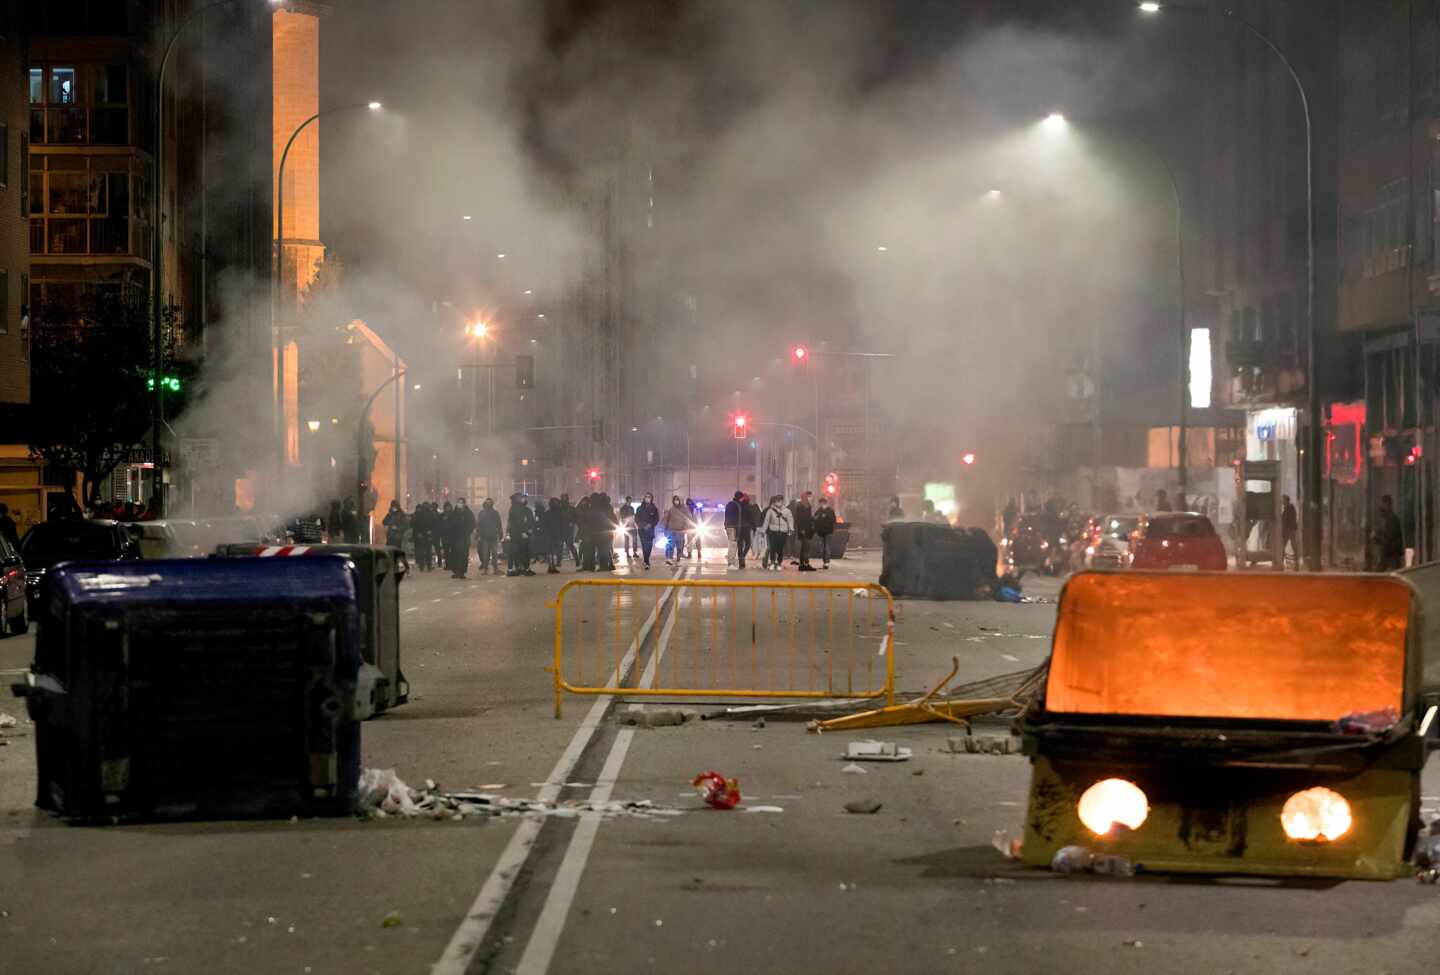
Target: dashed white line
[470,935]
[412,609]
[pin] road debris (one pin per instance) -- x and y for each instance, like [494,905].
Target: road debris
[717,791]
[864,807]
[383,794]
[657,719]
[853,769]
[1008,847]
[876,751]
[983,745]
[759,724]
[1078,859]
[392,920]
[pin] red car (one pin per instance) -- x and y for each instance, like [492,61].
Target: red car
[1179,541]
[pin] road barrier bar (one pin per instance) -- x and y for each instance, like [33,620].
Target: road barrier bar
[730,639]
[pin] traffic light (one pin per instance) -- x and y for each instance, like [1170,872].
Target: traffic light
[741,422]
[967,459]
[800,354]
[593,474]
[525,371]
[171,383]
[832,484]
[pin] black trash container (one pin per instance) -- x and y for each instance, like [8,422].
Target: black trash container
[381,569]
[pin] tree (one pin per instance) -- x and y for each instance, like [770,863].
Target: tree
[90,394]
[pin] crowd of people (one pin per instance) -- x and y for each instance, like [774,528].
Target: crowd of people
[593,532]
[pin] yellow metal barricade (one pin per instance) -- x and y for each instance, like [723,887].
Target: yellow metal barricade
[724,639]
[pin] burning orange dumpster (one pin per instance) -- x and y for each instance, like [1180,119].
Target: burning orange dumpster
[1227,723]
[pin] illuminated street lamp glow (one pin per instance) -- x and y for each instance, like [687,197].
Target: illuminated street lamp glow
[314,425]
[1149,8]
[416,387]
[541,315]
[467,217]
[478,330]
[375,106]
[882,248]
[1054,122]
[529,292]
[500,256]
[993,194]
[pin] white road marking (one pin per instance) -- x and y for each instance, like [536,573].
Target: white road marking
[545,938]
[470,935]
[412,609]
[435,600]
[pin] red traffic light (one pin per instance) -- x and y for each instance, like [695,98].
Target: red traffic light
[967,459]
[830,488]
[741,421]
[593,473]
[800,353]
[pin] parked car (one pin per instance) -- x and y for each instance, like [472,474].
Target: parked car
[68,539]
[1179,540]
[1109,544]
[14,619]
[157,539]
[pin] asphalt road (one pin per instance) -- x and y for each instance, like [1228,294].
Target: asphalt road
[797,885]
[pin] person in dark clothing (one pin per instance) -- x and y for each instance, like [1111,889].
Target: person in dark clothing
[647,516]
[745,525]
[487,533]
[422,530]
[627,525]
[552,530]
[732,527]
[520,525]
[824,528]
[804,514]
[602,516]
[464,530]
[1388,538]
[332,523]
[896,513]
[350,522]
[444,533]
[7,527]
[757,517]
[395,524]
[585,555]
[569,533]
[1289,529]
[1162,500]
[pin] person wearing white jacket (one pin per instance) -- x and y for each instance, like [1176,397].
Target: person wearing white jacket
[777,526]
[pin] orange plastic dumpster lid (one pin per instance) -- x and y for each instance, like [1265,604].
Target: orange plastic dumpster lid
[1272,647]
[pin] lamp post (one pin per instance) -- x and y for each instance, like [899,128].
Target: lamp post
[277,346]
[360,505]
[1055,122]
[1310,466]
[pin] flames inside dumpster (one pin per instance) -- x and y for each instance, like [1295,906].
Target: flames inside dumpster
[1296,648]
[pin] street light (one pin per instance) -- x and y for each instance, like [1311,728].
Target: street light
[1310,460]
[314,425]
[477,330]
[277,346]
[1054,122]
[1182,463]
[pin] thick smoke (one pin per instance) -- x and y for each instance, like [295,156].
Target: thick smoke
[816,172]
